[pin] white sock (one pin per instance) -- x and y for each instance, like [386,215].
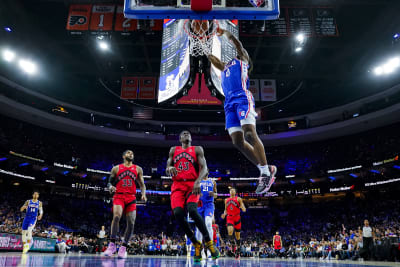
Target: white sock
[264,169]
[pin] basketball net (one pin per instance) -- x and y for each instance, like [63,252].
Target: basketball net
[201,37]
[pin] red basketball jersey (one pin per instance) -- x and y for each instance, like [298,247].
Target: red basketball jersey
[215,230]
[233,206]
[277,242]
[185,161]
[126,178]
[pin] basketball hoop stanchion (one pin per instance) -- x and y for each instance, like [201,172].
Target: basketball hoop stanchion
[201,5]
[201,34]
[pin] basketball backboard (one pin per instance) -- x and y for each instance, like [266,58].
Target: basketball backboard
[221,9]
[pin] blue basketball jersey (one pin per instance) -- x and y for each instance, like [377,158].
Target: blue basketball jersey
[206,187]
[33,209]
[235,80]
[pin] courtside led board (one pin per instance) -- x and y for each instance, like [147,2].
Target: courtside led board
[222,9]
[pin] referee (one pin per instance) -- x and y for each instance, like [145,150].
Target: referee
[367,239]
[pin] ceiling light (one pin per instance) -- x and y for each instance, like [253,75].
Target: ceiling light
[394,62]
[378,70]
[8,55]
[27,66]
[300,37]
[7,29]
[103,45]
[298,49]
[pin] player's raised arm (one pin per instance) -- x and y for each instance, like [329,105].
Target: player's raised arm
[217,62]
[242,207]
[40,210]
[112,180]
[25,206]
[242,53]
[140,181]
[171,170]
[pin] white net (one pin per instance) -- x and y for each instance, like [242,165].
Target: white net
[201,34]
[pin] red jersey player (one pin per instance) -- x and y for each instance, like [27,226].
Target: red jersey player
[122,182]
[187,166]
[233,205]
[277,241]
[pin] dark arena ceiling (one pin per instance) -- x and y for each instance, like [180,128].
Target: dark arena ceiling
[332,71]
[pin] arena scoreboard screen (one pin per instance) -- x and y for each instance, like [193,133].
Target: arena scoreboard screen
[175,57]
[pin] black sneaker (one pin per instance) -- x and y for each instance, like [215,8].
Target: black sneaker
[266,181]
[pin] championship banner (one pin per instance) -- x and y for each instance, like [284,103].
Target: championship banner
[254,88]
[14,242]
[129,87]
[78,18]
[195,97]
[268,90]
[102,17]
[147,88]
[123,24]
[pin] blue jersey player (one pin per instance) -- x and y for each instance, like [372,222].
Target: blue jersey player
[240,114]
[33,207]
[206,204]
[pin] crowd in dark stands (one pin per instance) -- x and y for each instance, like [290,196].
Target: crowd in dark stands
[301,159]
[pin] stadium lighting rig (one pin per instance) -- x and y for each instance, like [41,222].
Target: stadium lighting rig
[388,67]
[299,43]
[27,66]
[8,55]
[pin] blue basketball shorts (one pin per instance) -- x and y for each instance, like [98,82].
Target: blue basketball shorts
[29,222]
[239,111]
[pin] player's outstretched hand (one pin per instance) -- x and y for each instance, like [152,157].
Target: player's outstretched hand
[223,216]
[196,188]
[220,31]
[144,198]
[39,217]
[172,171]
[112,189]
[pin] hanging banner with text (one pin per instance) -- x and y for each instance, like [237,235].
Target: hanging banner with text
[254,88]
[129,87]
[268,90]
[102,18]
[123,24]
[78,18]
[147,88]
[195,97]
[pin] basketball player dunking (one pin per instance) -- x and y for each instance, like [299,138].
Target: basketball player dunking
[187,166]
[233,205]
[240,114]
[32,207]
[122,182]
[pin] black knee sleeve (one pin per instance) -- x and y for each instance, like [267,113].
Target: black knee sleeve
[179,214]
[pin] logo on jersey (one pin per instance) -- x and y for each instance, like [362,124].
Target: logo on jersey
[227,73]
[77,20]
[125,174]
[233,203]
[184,155]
